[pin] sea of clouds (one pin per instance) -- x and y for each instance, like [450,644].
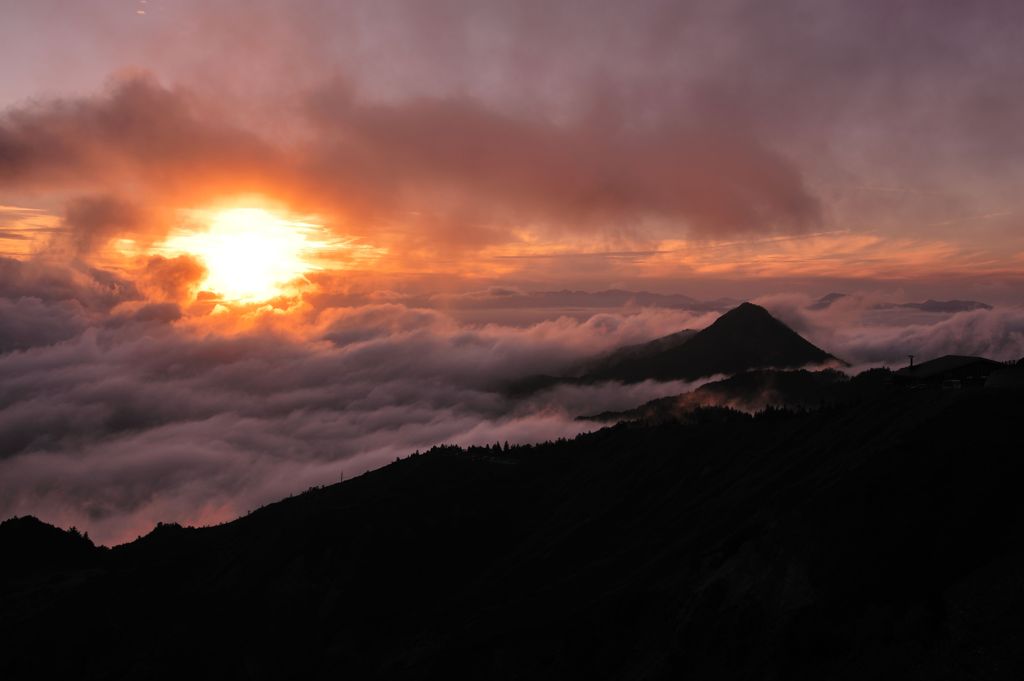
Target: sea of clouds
[117,412]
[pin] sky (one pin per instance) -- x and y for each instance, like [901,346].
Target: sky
[248,245]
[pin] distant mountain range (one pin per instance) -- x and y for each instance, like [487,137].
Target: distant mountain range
[877,538]
[937,306]
[746,337]
[755,390]
[752,391]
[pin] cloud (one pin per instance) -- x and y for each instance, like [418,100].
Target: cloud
[472,128]
[135,131]
[92,221]
[175,279]
[49,281]
[465,171]
[28,322]
[604,171]
[116,421]
[997,334]
[866,330]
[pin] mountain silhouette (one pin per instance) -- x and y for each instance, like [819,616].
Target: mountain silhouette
[629,355]
[621,360]
[938,306]
[33,547]
[874,539]
[1011,376]
[826,301]
[760,389]
[746,337]
[942,306]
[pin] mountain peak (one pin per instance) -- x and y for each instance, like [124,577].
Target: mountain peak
[749,318]
[745,311]
[746,337]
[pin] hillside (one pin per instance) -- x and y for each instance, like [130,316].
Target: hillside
[876,539]
[639,353]
[762,388]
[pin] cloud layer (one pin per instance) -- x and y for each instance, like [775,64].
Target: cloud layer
[444,172]
[117,413]
[866,330]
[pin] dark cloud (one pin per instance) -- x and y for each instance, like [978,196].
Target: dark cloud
[56,281]
[173,279]
[92,221]
[28,322]
[609,170]
[465,171]
[136,132]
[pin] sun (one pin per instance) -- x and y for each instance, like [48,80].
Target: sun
[250,254]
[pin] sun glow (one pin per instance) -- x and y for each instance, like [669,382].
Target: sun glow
[250,254]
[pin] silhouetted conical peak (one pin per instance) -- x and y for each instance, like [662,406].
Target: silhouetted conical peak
[749,318]
[746,337]
[745,313]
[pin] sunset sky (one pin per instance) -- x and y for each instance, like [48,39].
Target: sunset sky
[248,245]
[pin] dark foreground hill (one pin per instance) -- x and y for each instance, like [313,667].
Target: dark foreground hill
[879,539]
[756,390]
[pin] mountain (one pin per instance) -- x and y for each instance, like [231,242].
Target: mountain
[746,337]
[943,306]
[953,369]
[633,354]
[622,358]
[1009,377]
[752,391]
[826,301]
[875,539]
[937,306]
[33,547]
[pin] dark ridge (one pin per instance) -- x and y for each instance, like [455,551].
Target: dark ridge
[939,306]
[1008,377]
[618,360]
[760,389]
[826,301]
[950,370]
[871,540]
[947,306]
[30,546]
[639,352]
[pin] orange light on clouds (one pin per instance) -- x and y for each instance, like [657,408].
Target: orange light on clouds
[250,254]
